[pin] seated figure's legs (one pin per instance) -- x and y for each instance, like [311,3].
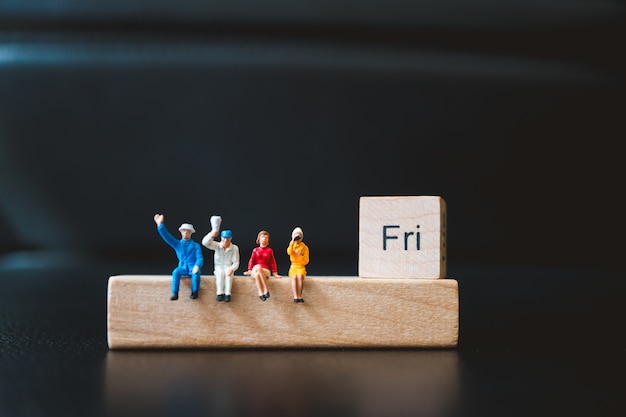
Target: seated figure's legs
[195,282]
[228,283]
[176,275]
[219,281]
[259,275]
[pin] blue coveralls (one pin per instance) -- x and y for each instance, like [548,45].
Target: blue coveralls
[189,255]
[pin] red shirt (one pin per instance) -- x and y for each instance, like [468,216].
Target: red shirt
[263,256]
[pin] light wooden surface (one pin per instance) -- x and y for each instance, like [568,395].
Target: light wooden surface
[337,312]
[389,236]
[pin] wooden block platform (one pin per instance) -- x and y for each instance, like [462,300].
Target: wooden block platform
[337,312]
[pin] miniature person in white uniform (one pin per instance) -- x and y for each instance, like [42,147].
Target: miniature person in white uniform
[226,261]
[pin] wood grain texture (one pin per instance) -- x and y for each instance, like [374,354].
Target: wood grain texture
[337,312]
[402,237]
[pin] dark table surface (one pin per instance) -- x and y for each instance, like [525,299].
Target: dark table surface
[533,341]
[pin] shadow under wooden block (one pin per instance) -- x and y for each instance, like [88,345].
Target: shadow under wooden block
[233,382]
[337,312]
[402,237]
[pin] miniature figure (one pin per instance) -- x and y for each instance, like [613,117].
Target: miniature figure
[298,253]
[189,254]
[226,260]
[261,263]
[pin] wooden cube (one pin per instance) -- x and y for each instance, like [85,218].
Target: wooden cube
[402,237]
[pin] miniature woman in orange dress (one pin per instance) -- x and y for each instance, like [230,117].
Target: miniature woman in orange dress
[298,253]
[261,263]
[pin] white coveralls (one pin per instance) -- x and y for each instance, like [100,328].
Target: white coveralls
[223,260]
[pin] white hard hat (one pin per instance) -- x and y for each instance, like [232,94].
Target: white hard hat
[297,232]
[187,226]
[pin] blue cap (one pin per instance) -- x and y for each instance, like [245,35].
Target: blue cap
[227,234]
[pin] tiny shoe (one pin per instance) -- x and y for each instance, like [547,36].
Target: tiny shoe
[194,295]
[220,297]
[227,298]
[301,300]
[295,300]
[174,296]
[267,295]
[262,297]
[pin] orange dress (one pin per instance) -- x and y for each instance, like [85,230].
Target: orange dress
[298,253]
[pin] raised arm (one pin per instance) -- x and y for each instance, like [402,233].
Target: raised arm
[208,241]
[167,236]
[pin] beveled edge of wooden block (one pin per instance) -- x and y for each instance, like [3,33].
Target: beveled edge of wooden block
[399,197]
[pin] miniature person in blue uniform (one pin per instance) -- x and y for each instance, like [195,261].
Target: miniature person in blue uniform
[189,253]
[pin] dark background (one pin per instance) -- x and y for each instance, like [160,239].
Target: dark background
[282,114]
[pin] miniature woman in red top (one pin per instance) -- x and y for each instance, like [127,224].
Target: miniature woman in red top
[261,263]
